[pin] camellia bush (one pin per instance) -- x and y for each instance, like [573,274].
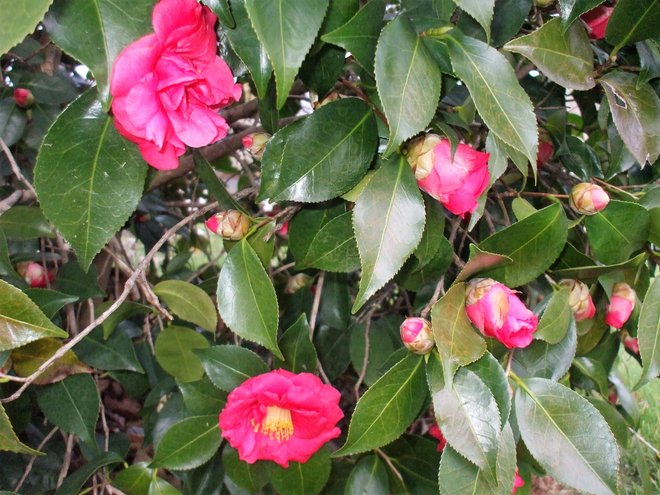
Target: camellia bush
[329,246]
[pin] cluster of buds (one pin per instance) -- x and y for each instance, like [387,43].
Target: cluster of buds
[35,275]
[231,224]
[588,199]
[255,143]
[622,303]
[579,299]
[417,335]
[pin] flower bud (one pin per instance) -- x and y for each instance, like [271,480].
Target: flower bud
[518,482]
[297,282]
[23,97]
[231,224]
[596,21]
[631,343]
[622,303]
[417,335]
[35,275]
[436,433]
[256,143]
[579,299]
[545,152]
[420,154]
[588,199]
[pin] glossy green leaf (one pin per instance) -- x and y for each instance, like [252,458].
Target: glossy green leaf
[565,58]
[217,189]
[533,244]
[174,352]
[244,288]
[617,231]
[73,405]
[489,370]
[12,122]
[360,34]
[480,10]
[522,208]
[417,460]
[159,486]
[332,345]
[457,341]
[383,340]
[390,207]
[635,110]
[590,273]
[500,100]
[222,9]
[8,439]
[250,477]
[287,29]
[71,279]
[508,18]
[307,224]
[299,352]
[21,321]
[135,479]
[20,18]
[387,408]
[479,261]
[188,302]
[306,478]
[126,310]
[580,158]
[103,181]
[188,443]
[116,353]
[567,436]
[228,365]
[368,477]
[202,397]
[28,358]
[334,247]
[632,21]
[648,332]
[321,156]
[408,81]
[49,301]
[73,483]
[24,223]
[95,31]
[589,374]
[614,419]
[570,10]
[6,267]
[556,318]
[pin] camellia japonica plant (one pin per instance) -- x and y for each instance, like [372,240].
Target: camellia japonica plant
[307,247]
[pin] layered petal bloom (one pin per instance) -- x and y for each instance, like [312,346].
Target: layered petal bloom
[280,416]
[621,305]
[497,312]
[167,86]
[435,432]
[457,183]
[416,335]
[596,21]
[579,299]
[35,275]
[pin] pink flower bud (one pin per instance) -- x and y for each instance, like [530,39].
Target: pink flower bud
[23,97]
[297,282]
[230,224]
[256,143]
[518,482]
[631,343]
[416,335]
[621,305]
[588,199]
[579,299]
[34,274]
[497,312]
[435,432]
[596,21]
[457,183]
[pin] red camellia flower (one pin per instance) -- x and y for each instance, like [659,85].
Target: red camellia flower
[497,312]
[435,432]
[621,305]
[281,417]
[518,482]
[456,183]
[34,274]
[596,21]
[168,86]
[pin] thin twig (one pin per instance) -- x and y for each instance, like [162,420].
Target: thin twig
[283,268]
[10,200]
[365,359]
[645,442]
[67,459]
[14,167]
[315,304]
[28,468]
[388,461]
[439,289]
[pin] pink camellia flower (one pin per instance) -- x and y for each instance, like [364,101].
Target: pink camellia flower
[455,183]
[280,416]
[497,312]
[631,343]
[588,199]
[34,274]
[168,86]
[596,21]
[435,432]
[621,305]
[23,97]
[416,335]
[518,482]
[579,299]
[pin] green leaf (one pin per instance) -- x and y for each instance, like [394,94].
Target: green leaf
[617,231]
[159,486]
[567,436]
[454,335]
[188,443]
[73,405]
[8,439]
[228,365]
[533,244]
[389,406]
[590,273]
[333,349]
[74,482]
[544,360]
[19,18]
[334,247]
[417,459]
[134,480]
[572,9]
[245,43]
[6,267]
[307,478]
[321,156]
[508,18]
[408,81]
[648,332]
[360,34]
[489,370]
[24,223]
[116,353]
[21,321]
[635,108]
[12,122]
[49,301]
[202,397]
[299,352]
[126,310]
[565,58]
[368,477]
[479,261]
[103,181]
[188,302]
[246,298]
[174,352]
[522,208]
[95,31]
[223,11]
[71,279]
[500,100]
[390,207]
[556,318]
[614,419]
[480,10]
[287,29]
[250,477]
[307,224]
[589,374]
[30,357]
[384,339]
[632,21]
[216,188]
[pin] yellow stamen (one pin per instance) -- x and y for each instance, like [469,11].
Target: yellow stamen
[277,424]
